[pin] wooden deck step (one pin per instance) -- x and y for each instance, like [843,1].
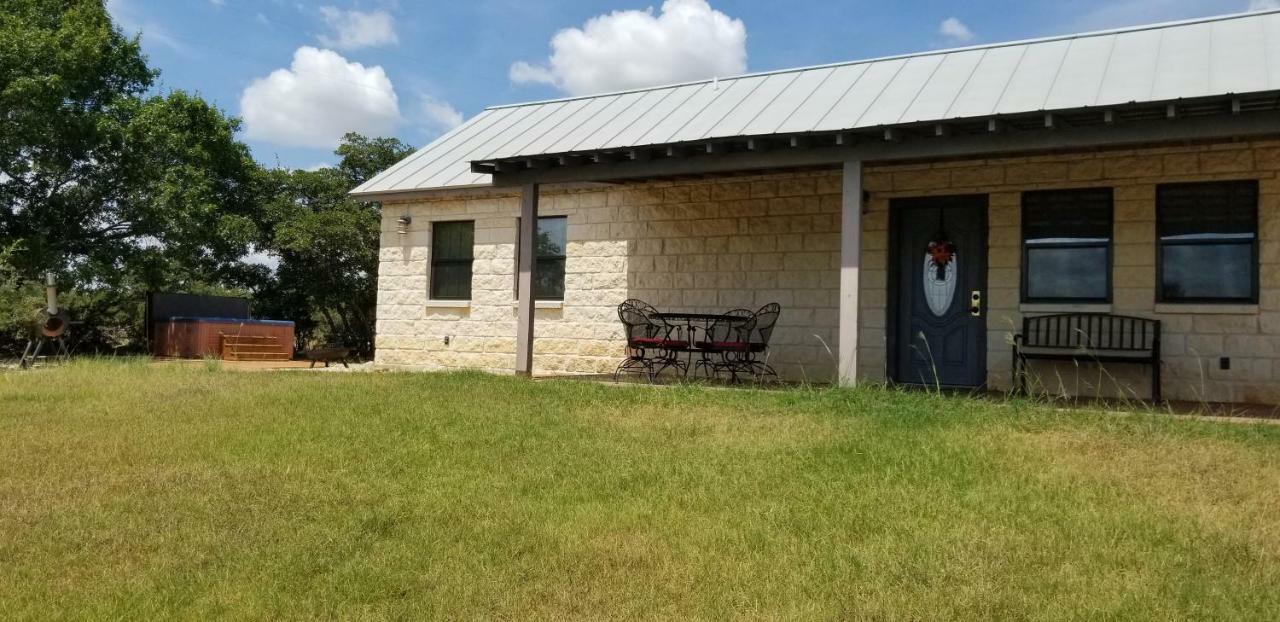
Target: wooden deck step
[253,348]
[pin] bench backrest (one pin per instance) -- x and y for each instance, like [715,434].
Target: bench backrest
[1091,331]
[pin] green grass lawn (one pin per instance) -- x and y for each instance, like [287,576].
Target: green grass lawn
[136,492]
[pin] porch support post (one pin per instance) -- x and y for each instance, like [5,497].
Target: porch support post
[524,279]
[850,258]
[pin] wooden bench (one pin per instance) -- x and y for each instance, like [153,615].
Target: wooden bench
[1085,337]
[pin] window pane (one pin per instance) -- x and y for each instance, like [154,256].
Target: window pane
[1066,243]
[552,236]
[550,242]
[1208,210]
[452,240]
[1207,271]
[1207,234]
[548,279]
[451,281]
[452,249]
[1064,216]
[1073,273]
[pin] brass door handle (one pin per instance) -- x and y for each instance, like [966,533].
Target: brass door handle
[975,303]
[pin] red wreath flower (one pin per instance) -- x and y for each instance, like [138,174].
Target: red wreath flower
[942,251]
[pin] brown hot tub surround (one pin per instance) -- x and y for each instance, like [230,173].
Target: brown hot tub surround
[229,338]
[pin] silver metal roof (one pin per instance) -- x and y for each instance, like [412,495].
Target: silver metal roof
[1228,55]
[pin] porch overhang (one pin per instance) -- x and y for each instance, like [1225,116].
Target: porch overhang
[1169,122]
[1216,118]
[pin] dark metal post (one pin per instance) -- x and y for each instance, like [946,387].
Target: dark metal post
[524,279]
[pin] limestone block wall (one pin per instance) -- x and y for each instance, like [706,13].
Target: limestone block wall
[701,246]
[1194,336]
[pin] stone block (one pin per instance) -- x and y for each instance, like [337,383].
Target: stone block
[797,186]
[923,179]
[1181,164]
[1084,170]
[1231,161]
[1225,324]
[1127,167]
[1036,172]
[977,176]
[730,191]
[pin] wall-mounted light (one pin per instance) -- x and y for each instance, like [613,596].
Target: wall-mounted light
[402,224]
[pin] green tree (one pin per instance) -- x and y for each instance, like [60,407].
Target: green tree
[116,191]
[327,244]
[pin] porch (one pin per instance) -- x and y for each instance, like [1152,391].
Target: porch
[740,241]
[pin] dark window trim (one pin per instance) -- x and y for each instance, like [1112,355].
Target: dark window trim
[1109,245]
[1256,260]
[515,288]
[436,261]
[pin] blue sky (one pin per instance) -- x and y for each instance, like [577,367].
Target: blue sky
[299,72]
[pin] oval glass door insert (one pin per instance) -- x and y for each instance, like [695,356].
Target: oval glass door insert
[940,283]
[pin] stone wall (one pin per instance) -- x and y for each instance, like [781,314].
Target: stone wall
[702,246]
[1194,336]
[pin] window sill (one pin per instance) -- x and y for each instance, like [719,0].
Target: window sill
[1064,307]
[542,304]
[448,304]
[1200,308]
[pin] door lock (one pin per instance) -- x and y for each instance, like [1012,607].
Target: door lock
[975,303]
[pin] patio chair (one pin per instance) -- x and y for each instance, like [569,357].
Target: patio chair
[757,356]
[725,343]
[648,341]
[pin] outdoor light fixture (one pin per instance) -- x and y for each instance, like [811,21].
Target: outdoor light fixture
[402,224]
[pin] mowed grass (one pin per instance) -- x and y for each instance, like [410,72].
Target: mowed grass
[130,491]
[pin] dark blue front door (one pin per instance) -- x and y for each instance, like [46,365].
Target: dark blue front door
[940,281]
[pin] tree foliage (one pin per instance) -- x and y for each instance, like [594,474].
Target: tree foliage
[116,190]
[327,244]
[122,191]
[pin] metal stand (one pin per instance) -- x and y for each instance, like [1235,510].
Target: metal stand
[35,345]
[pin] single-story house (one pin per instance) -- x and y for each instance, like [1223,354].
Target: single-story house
[1130,172]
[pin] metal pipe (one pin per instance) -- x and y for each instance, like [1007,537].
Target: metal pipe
[51,293]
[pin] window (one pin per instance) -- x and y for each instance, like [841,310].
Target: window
[1207,237]
[1066,246]
[550,241]
[452,244]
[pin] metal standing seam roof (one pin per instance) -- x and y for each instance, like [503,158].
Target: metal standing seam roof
[1227,55]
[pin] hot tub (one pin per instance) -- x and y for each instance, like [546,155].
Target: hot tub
[200,337]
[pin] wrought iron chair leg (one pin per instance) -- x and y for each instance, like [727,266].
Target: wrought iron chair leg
[635,364]
[26,361]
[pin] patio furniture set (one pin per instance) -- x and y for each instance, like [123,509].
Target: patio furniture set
[734,344]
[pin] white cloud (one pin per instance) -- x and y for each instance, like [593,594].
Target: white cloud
[526,73]
[353,30]
[687,40]
[317,99]
[1263,5]
[439,115]
[956,30]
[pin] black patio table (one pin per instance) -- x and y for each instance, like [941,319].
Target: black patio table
[686,325]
